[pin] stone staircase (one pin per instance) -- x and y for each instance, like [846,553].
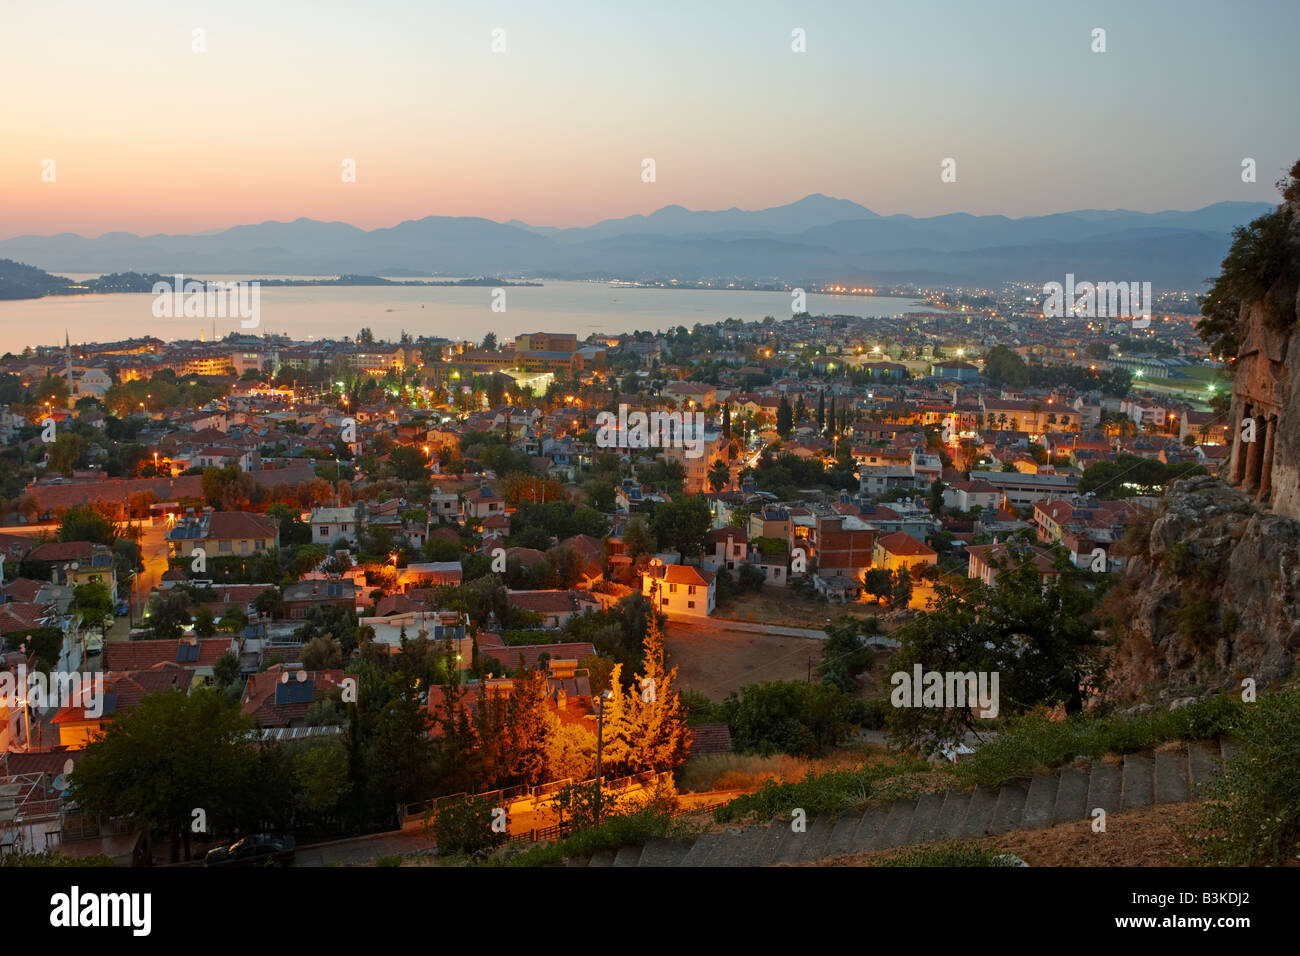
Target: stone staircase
[1061,796]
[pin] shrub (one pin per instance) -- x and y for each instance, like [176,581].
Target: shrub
[463,827]
[1253,812]
[950,854]
[1031,741]
[832,792]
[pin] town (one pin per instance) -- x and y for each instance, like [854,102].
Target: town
[426,569]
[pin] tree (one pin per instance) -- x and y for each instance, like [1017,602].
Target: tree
[66,452]
[655,711]
[846,652]
[529,724]
[166,756]
[681,524]
[637,538]
[407,462]
[719,475]
[784,418]
[322,653]
[936,496]
[93,601]
[821,410]
[1032,634]
[86,523]
[168,612]
[789,717]
[204,622]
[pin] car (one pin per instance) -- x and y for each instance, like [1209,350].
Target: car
[94,644]
[121,608]
[259,849]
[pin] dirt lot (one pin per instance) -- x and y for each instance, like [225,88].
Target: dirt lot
[779,606]
[715,661]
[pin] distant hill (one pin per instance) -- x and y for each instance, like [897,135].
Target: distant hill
[816,238]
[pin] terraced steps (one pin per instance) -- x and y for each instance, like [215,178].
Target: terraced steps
[1172,775]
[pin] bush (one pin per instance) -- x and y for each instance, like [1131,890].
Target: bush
[789,717]
[632,828]
[950,854]
[1031,741]
[1253,812]
[48,858]
[463,827]
[818,794]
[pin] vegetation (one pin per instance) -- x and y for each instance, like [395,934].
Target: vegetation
[1033,741]
[1253,811]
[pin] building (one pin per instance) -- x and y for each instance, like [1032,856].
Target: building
[481,502]
[897,551]
[330,524]
[680,590]
[223,534]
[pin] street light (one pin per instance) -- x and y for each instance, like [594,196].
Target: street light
[608,695]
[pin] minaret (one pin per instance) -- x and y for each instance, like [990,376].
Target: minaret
[67,352]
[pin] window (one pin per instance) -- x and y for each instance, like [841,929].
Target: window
[324,531]
[664,602]
[672,589]
[223,546]
[690,589]
[690,604]
[259,545]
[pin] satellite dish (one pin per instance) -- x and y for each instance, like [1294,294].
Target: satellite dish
[67,766]
[61,783]
[302,677]
[284,678]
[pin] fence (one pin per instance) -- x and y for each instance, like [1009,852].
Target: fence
[540,794]
[559,830]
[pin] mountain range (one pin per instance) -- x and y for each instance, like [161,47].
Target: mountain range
[816,239]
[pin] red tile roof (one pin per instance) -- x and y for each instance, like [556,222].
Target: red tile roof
[130,656]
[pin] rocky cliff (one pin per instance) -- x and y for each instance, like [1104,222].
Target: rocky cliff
[1212,596]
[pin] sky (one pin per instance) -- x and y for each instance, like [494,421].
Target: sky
[146,134]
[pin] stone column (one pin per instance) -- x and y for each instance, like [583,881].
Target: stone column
[1255,457]
[1239,448]
[1270,441]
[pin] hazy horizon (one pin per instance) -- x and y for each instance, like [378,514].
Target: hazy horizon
[149,135]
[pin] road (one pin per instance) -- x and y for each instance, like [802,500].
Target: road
[153,551]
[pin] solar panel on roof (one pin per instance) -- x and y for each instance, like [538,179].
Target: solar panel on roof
[187,653]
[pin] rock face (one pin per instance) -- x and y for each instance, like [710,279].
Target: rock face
[1265,426]
[1212,597]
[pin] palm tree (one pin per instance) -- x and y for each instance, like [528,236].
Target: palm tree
[719,475]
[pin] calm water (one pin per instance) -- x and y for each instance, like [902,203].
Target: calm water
[451,312]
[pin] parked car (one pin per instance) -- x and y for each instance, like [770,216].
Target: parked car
[260,849]
[121,608]
[94,643]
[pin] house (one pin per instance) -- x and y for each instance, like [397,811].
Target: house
[725,548]
[223,534]
[281,695]
[428,574]
[898,550]
[301,597]
[555,607]
[481,502]
[330,524]
[987,560]
[444,505]
[75,563]
[681,590]
[80,723]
